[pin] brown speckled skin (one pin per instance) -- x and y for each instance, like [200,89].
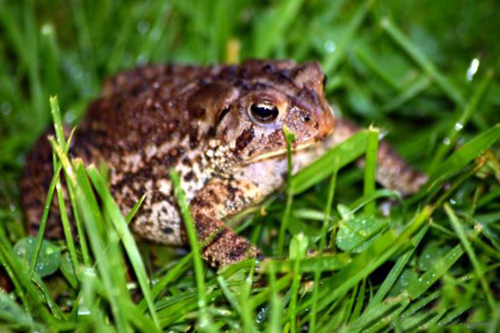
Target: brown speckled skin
[197,121]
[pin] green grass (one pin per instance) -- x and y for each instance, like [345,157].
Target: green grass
[335,262]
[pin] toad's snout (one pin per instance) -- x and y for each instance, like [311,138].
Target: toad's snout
[326,123]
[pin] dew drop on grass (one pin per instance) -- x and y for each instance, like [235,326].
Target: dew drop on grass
[83,310]
[262,315]
[143,26]
[472,70]
[330,46]
[69,116]
[458,126]
[446,141]
[6,108]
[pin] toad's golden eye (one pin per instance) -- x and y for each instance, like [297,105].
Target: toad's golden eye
[264,113]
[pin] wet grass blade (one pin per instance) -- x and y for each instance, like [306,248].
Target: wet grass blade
[290,137]
[472,256]
[276,308]
[324,231]
[331,63]
[416,288]
[347,152]
[421,60]
[271,27]
[472,106]
[111,270]
[384,247]
[205,322]
[66,227]
[125,234]
[465,154]
[43,222]
[371,169]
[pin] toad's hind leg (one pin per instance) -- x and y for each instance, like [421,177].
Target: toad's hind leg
[219,199]
[393,172]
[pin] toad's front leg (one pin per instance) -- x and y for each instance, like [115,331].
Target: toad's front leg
[218,200]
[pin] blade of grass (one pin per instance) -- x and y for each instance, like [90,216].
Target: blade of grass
[350,303]
[382,193]
[454,314]
[346,152]
[395,271]
[43,222]
[331,63]
[324,231]
[271,28]
[276,305]
[56,115]
[135,208]
[111,270]
[472,106]
[66,227]
[84,38]
[247,314]
[323,263]
[371,169]
[383,248]
[82,239]
[48,202]
[411,92]
[150,41]
[421,60]
[416,306]
[248,322]
[373,64]
[380,316]
[263,296]
[111,208]
[205,320]
[472,256]
[30,44]
[298,248]
[172,274]
[465,154]
[416,288]
[359,302]
[51,58]
[289,191]
[54,308]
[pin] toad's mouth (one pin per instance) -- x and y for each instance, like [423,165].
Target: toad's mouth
[283,152]
[295,148]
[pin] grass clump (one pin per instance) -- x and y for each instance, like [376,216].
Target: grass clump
[336,263]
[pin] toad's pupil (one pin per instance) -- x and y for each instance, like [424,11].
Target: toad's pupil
[264,113]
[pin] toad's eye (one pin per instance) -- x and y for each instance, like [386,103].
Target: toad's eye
[264,113]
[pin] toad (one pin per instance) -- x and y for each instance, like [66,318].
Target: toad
[221,129]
